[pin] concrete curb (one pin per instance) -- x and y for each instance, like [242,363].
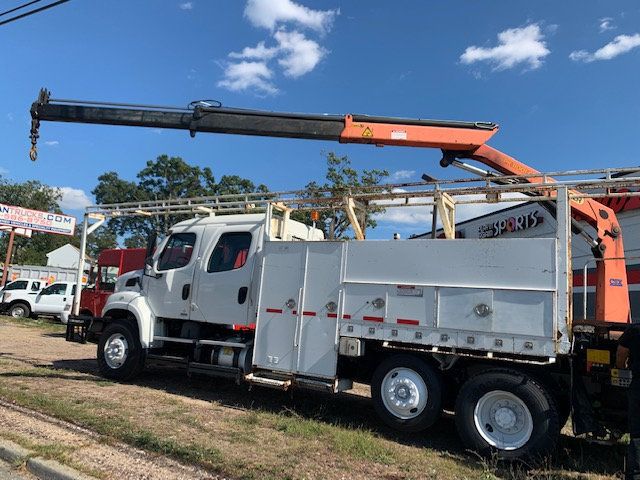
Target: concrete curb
[11,452]
[41,468]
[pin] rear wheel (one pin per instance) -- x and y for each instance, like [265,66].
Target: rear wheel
[406,393]
[120,354]
[19,310]
[507,412]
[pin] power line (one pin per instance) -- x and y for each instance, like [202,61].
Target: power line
[18,8]
[46,7]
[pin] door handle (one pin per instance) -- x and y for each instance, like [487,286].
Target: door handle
[64,299]
[185,291]
[242,295]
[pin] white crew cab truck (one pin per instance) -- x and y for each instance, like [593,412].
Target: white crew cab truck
[480,327]
[32,300]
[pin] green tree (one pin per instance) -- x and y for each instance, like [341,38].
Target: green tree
[101,239]
[34,195]
[165,178]
[341,180]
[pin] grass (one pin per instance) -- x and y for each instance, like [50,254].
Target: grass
[41,323]
[240,434]
[114,426]
[50,451]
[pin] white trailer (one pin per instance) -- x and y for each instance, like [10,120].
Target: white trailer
[268,301]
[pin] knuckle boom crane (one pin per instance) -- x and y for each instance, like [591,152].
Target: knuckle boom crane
[363,319]
[457,140]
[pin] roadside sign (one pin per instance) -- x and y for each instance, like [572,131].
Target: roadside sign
[19,217]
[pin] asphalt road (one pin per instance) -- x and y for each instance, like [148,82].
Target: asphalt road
[8,473]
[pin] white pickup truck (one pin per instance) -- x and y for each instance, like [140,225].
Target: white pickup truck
[25,298]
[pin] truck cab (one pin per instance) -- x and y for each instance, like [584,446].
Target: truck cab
[13,292]
[50,300]
[111,264]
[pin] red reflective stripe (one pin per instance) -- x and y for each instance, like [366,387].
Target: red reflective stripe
[309,314]
[373,319]
[346,317]
[332,315]
[274,310]
[406,321]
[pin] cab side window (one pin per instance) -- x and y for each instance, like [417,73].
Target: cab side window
[231,252]
[177,252]
[35,286]
[55,289]
[17,285]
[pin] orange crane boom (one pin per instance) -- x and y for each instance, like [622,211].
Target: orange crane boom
[457,140]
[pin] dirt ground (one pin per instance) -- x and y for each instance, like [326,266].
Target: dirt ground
[168,426]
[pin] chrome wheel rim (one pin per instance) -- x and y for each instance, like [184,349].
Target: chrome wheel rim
[404,393]
[18,312]
[116,350]
[503,420]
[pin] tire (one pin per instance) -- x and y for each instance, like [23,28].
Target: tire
[20,310]
[508,413]
[406,393]
[120,355]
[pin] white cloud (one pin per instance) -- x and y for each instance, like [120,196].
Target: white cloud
[402,175]
[248,75]
[295,53]
[3,172]
[619,45]
[73,199]
[301,55]
[10,116]
[259,52]
[186,6]
[271,13]
[52,143]
[403,215]
[606,24]
[516,46]
[422,215]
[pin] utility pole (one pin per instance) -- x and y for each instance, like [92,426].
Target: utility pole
[7,260]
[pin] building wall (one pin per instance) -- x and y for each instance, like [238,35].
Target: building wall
[66,256]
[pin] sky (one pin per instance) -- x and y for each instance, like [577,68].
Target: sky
[561,79]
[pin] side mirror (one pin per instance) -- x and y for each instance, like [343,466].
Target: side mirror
[151,246]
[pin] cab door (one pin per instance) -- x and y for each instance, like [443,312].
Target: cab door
[169,283]
[223,280]
[52,299]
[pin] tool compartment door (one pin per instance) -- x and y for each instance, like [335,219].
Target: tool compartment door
[317,345]
[299,338]
[282,277]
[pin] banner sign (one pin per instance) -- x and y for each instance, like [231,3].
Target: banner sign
[19,217]
[23,232]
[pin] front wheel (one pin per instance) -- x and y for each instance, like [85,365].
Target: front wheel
[507,412]
[19,310]
[406,393]
[120,354]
